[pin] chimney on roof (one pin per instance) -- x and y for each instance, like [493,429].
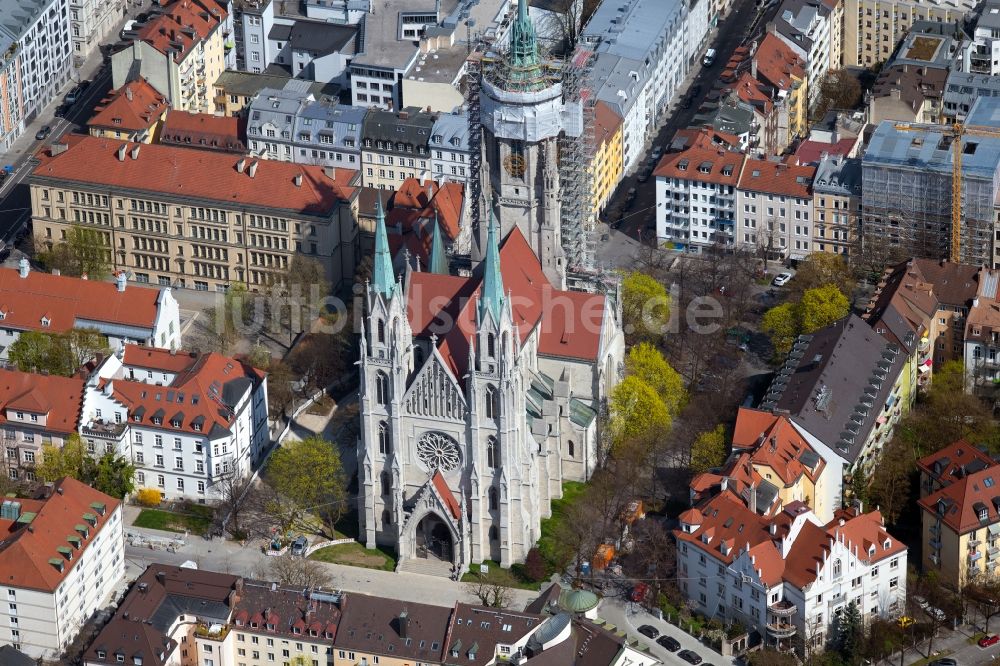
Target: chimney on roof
[121,152]
[135,151]
[83,277]
[241,165]
[121,279]
[404,115]
[252,169]
[404,625]
[23,267]
[298,180]
[128,93]
[59,490]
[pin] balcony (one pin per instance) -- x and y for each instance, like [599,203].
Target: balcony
[103,429]
[781,629]
[783,608]
[215,632]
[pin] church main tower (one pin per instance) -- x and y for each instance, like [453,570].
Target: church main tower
[523,115]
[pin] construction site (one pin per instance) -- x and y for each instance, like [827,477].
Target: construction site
[931,190]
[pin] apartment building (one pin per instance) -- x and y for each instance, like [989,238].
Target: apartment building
[774,208]
[791,576]
[985,54]
[873,28]
[180,50]
[38,410]
[135,112]
[35,61]
[982,337]
[777,65]
[194,218]
[696,196]
[235,90]
[41,302]
[959,515]
[806,27]
[293,125]
[608,167]
[652,45]
[768,113]
[63,557]
[844,389]
[184,419]
[92,22]
[908,94]
[961,91]
[907,190]
[204,131]
[836,190]
[449,149]
[395,146]
[252,21]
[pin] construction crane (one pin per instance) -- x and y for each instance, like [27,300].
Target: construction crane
[955,131]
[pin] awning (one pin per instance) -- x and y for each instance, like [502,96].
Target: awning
[880,420]
[929,363]
[994,528]
[891,399]
[924,368]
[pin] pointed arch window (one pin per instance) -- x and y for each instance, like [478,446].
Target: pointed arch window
[418,356]
[382,388]
[491,345]
[572,449]
[492,402]
[494,533]
[492,452]
[494,499]
[386,483]
[380,331]
[386,518]
[384,439]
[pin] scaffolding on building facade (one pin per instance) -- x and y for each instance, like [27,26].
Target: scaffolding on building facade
[576,162]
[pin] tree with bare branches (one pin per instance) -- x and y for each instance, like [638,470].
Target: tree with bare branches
[298,572]
[493,589]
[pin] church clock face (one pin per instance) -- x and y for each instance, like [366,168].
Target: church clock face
[515,165]
[438,451]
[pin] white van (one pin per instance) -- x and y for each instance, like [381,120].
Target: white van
[709,58]
[128,26]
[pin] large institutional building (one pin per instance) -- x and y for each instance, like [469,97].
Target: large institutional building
[480,393]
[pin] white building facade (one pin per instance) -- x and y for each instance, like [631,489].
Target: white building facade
[38,32]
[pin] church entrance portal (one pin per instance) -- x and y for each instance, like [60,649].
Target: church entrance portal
[434,540]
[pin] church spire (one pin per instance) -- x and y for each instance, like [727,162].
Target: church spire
[523,64]
[491,296]
[382,275]
[438,262]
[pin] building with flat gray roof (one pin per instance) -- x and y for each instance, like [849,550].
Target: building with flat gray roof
[962,90]
[651,40]
[35,61]
[235,90]
[449,146]
[907,189]
[291,125]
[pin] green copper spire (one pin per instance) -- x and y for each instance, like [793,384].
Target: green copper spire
[491,295]
[523,61]
[439,261]
[382,277]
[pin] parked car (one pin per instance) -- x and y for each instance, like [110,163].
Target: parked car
[936,613]
[61,110]
[687,102]
[72,95]
[43,133]
[920,601]
[695,90]
[668,643]
[987,641]
[689,656]
[657,152]
[709,58]
[781,279]
[649,631]
[947,661]
[639,593]
[645,174]
[299,546]
[630,196]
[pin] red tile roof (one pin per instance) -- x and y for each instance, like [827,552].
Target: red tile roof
[606,122]
[777,63]
[810,152]
[749,90]
[778,178]
[70,302]
[181,26]
[571,327]
[959,504]
[449,498]
[866,533]
[204,130]
[58,398]
[685,137]
[775,443]
[954,461]
[702,161]
[25,551]
[134,107]
[199,399]
[200,174]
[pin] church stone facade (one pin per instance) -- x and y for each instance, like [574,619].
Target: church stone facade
[480,394]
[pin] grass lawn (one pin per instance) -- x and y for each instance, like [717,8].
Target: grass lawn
[572,490]
[322,406]
[515,574]
[197,521]
[356,555]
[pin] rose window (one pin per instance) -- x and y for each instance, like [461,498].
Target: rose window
[438,451]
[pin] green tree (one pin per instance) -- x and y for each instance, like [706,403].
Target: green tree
[820,269]
[35,351]
[636,411]
[645,307]
[259,357]
[84,252]
[820,307]
[781,324]
[309,478]
[71,459]
[647,363]
[850,634]
[839,89]
[709,449]
[84,345]
[297,296]
[889,487]
[113,475]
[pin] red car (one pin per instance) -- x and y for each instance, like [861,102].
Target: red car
[639,592]
[987,641]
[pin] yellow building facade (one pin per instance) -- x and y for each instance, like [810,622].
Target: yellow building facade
[607,167]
